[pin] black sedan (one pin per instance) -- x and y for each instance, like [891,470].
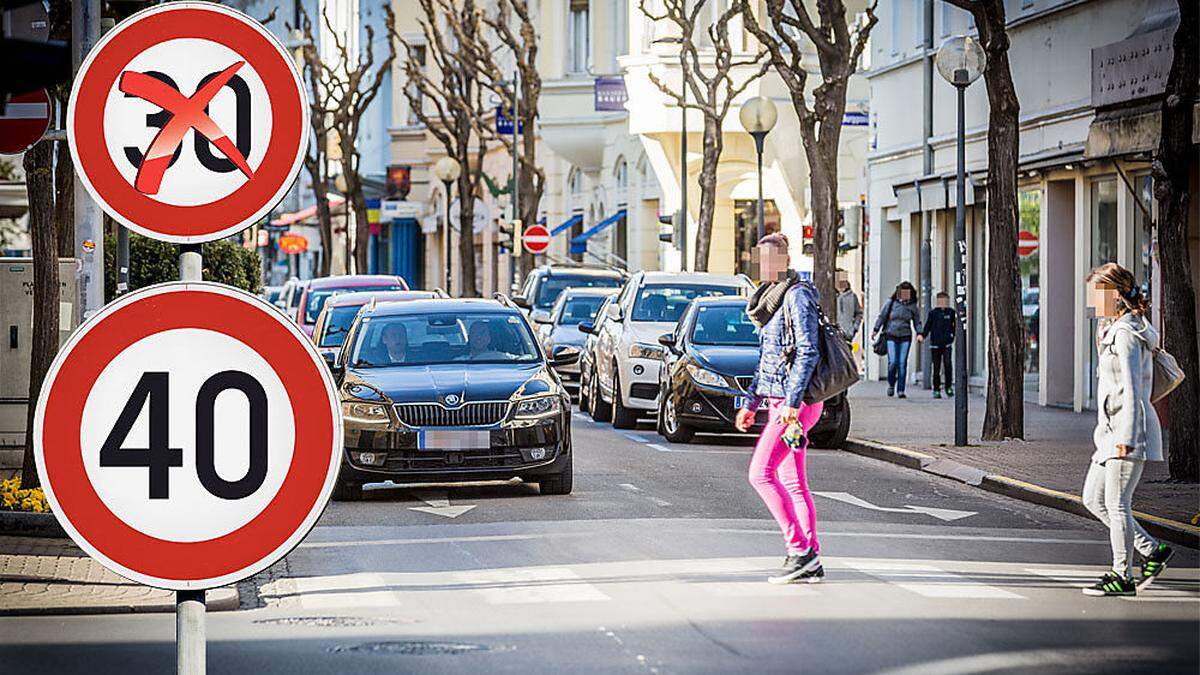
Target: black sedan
[708,364]
[451,390]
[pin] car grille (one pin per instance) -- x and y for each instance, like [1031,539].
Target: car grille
[646,391]
[481,414]
[423,460]
[744,382]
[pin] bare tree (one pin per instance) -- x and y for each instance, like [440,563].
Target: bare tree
[1170,170]
[341,93]
[1005,414]
[838,48]
[448,102]
[708,73]
[513,28]
[316,162]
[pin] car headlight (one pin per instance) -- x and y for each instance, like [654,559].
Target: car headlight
[538,406]
[639,350]
[364,412]
[706,377]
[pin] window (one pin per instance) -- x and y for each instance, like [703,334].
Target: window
[1143,234]
[895,26]
[429,339]
[621,30]
[725,325]
[666,303]
[918,22]
[621,178]
[579,44]
[418,55]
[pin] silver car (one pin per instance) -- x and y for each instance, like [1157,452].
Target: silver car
[561,326]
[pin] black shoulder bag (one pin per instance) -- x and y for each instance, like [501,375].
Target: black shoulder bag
[836,370]
[880,344]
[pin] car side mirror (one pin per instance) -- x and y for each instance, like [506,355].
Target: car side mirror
[520,301]
[564,355]
[588,327]
[542,318]
[668,340]
[614,312]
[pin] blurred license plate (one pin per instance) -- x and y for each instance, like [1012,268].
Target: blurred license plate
[740,402]
[454,439]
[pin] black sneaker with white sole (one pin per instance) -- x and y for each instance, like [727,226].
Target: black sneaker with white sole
[1112,584]
[814,577]
[796,566]
[1155,564]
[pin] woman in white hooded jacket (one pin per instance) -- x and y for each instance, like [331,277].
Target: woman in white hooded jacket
[1127,430]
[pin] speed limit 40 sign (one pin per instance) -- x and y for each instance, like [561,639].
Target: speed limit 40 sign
[188,121]
[188,435]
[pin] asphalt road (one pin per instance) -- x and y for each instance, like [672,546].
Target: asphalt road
[657,564]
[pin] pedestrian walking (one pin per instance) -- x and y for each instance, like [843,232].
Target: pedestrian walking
[896,324]
[849,310]
[1127,430]
[786,310]
[939,330]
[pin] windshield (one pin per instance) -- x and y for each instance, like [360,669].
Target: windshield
[431,339]
[316,299]
[724,325]
[577,310]
[666,303]
[553,286]
[338,324]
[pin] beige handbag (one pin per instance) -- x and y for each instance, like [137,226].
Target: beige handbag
[1167,374]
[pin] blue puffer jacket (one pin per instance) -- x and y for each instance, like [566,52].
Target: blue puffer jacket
[774,378]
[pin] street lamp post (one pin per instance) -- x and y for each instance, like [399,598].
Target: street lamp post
[447,169]
[758,117]
[960,61]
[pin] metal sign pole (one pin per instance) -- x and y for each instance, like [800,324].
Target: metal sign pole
[189,605]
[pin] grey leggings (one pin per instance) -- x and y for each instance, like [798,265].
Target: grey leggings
[1108,494]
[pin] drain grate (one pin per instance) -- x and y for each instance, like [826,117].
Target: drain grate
[331,621]
[412,648]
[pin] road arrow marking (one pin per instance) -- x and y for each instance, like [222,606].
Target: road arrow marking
[438,504]
[941,514]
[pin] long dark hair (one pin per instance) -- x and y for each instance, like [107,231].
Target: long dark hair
[905,286]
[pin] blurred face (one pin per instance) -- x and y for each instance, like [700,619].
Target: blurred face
[395,339]
[1103,300]
[904,294]
[480,338]
[770,263]
[843,285]
[943,301]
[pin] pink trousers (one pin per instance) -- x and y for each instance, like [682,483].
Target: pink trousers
[777,472]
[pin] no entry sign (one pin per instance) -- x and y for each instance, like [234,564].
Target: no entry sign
[1027,243]
[536,238]
[24,121]
[188,435]
[188,121]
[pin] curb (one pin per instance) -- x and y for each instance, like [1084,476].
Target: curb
[216,600]
[1164,528]
[26,524]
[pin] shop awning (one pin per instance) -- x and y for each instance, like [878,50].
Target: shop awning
[305,213]
[579,243]
[567,224]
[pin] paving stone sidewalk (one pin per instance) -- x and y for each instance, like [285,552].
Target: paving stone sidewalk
[53,576]
[1055,454]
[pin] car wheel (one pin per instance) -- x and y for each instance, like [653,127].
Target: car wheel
[622,417]
[834,437]
[559,483]
[599,411]
[347,492]
[672,428]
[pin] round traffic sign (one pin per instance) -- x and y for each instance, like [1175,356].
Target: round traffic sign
[24,121]
[1027,243]
[536,238]
[188,121]
[188,435]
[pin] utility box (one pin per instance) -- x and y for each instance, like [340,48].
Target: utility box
[16,340]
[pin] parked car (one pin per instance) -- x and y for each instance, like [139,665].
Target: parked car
[543,286]
[451,390]
[627,353]
[587,364]
[574,306]
[289,297]
[312,300]
[335,319]
[271,294]
[708,364]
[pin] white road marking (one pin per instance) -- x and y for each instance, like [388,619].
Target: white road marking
[659,447]
[1157,592]
[630,487]
[636,439]
[342,590]
[941,514]
[662,448]
[1037,659]
[940,584]
[441,540]
[439,504]
[531,586]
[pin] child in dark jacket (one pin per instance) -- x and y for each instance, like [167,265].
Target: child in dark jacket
[939,330]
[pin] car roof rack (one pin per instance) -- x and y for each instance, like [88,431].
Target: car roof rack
[439,293]
[503,299]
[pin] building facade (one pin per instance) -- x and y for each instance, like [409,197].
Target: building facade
[1085,193]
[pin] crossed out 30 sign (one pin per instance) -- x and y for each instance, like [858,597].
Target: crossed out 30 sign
[188,122]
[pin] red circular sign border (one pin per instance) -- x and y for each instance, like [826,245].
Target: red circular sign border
[98,75]
[208,563]
[31,124]
[525,240]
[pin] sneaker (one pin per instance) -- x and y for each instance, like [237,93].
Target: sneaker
[1155,564]
[814,577]
[937,394]
[950,391]
[796,566]
[891,391]
[901,395]
[1112,584]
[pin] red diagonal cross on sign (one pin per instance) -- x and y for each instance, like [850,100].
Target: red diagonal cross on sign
[186,113]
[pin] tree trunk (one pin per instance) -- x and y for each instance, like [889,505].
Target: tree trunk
[529,187]
[466,229]
[43,232]
[362,228]
[1171,189]
[707,181]
[1005,414]
[826,218]
[64,199]
[324,216]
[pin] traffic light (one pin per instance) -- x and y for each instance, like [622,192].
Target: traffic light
[510,235]
[666,236]
[677,235]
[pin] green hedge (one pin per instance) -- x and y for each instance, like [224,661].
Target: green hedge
[153,262]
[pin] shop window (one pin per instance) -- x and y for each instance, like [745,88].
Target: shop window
[579,44]
[745,218]
[1030,207]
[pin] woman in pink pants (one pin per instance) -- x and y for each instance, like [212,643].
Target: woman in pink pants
[785,309]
